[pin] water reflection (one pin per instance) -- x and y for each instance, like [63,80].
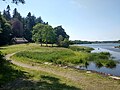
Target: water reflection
[115,54]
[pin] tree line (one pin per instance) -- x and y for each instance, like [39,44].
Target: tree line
[32,28]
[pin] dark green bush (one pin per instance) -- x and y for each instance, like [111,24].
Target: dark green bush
[99,64]
[111,64]
[81,48]
[1,59]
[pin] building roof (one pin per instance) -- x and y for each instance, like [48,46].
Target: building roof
[19,40]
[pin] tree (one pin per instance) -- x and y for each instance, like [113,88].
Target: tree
[43,33]
[17,15]
[52,37]
[65,43]
[61,37]
[5,31]
[39,20]
[8,8]
[17,1]
[37,33]
[6,13]
[60,31]
[30,22]
[48,35]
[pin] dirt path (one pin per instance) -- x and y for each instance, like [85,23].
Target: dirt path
[88,83]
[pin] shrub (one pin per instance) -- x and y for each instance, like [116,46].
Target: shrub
[81,48]
[1,59]
[111,64]
[99,64]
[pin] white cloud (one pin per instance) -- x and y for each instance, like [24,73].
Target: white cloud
[77,4]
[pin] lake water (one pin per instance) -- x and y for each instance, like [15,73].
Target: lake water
[105,47]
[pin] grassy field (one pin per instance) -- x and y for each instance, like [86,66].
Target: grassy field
[52,76]
[9,72]
[38,80]
[56,55]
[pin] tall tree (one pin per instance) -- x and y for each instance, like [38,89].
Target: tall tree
[61,36]
[43,33]
[17,24]
[37,33]
[48,35]
[39,20]
[8,8]
[17,1]
[6,13]
[60,31]
[17,15]
[30,22]
[5,31]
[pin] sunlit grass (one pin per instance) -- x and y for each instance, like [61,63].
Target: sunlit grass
[74,55]
[56,55]
[81,48]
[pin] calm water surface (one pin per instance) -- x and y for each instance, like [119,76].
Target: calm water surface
[115,53]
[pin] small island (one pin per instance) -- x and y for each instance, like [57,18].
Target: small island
[117,46]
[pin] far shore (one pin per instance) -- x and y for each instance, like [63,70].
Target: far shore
[117,46]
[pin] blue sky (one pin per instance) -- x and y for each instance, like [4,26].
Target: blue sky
[90,20]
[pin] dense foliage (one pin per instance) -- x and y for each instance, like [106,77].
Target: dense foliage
[5,31]
[46,34]
[31,28]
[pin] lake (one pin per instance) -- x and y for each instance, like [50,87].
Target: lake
[105,47]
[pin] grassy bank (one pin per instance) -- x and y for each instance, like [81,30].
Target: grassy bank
[62,56]
[36,80]
[81,48]
[66,79]
[52,76]
[8,71]
[79,55]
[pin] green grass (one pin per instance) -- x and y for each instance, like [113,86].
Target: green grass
[20,78]
[54,55]
[9,72]
[74,55]
[35,53]
[20,47]
[39,80]
[27,79]
[81,48]
[13,77]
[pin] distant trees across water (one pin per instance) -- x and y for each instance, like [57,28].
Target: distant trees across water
[91,42]
[79,42]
